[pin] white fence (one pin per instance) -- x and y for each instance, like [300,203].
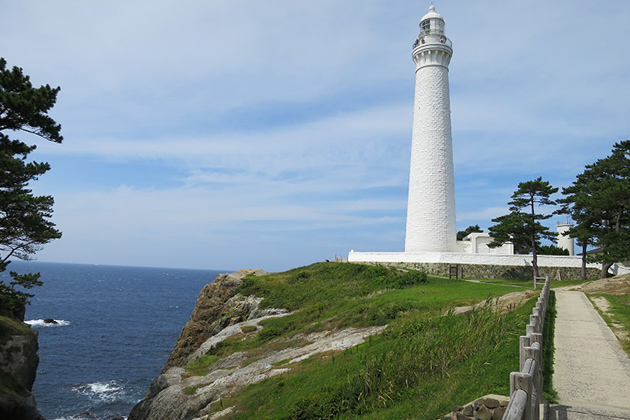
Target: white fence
[526,385]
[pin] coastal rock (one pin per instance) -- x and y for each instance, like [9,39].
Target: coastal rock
[18,367]
[196,396]
[19,359]
[221,313]
[217,307]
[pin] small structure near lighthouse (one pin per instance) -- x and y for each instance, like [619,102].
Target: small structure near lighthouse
[431,205]
[430,241]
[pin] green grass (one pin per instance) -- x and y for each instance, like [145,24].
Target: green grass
[422,365]
[419,368]
[11,326]
[201,365]
[549,393]
[620,310]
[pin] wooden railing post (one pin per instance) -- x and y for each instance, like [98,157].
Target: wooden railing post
[522,381]
[526,385]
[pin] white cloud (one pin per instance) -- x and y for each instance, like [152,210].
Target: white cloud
[277,119]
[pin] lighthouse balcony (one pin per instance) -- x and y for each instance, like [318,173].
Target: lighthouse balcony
[426,38]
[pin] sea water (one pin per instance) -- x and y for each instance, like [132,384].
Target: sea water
[115,329]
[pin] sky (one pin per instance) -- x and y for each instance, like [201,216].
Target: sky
[274,134]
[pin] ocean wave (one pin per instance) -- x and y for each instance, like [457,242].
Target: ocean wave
[101,391]
[42,323]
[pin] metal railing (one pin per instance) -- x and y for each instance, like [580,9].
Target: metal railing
[526,385]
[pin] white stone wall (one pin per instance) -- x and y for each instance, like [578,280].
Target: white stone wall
[482,259]
[431,205]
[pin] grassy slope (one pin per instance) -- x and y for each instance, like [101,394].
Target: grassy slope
[620,310]
[419,368]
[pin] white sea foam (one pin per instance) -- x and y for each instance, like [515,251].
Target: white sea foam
[101,391]
[41,323]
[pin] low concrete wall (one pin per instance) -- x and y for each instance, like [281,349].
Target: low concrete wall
[559,267]
[476,271]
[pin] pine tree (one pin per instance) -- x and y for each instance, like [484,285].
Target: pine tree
[522,225]
[470,229]
[598,201]
[24,218]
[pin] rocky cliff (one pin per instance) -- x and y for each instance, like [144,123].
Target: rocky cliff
[218,307]
[197,377]
[18,366]
[333,340]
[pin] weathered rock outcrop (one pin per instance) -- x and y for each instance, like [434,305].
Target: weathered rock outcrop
[18,367]
[221,313]
[217,307]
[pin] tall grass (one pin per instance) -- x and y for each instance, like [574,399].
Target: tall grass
[422,365]
[419,366]
[549,393]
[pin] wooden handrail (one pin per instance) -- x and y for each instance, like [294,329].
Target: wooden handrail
[526,384]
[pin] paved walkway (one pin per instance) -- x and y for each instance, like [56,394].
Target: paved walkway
[591,371]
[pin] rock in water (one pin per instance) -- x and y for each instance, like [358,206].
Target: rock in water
[50,321]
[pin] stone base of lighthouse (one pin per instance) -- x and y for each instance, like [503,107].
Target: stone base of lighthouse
[560,267]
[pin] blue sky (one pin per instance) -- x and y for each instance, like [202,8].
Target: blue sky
[251,134]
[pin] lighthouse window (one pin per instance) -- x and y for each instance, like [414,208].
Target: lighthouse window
[425,26]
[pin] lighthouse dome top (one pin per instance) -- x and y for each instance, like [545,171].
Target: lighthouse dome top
[432,14]
[432,22]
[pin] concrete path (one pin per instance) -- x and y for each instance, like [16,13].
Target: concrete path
[591,371]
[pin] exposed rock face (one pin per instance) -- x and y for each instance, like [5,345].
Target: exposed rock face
[18,366]
[217,307]
[220,313]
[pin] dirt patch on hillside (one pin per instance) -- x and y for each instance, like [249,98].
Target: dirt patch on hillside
[619,285]
[503,303]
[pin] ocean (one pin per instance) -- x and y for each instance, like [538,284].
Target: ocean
[116,328]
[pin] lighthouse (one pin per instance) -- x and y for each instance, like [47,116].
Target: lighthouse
[430,239]
[431,205]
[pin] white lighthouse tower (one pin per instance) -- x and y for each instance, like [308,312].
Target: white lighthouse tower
[431,206]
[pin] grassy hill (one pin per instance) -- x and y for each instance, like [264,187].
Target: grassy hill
[426,360]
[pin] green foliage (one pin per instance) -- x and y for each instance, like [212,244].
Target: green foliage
[12,300]
[522,225]
[552,250]
[599,202]
[470,229]
[24,218]
[549,392]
